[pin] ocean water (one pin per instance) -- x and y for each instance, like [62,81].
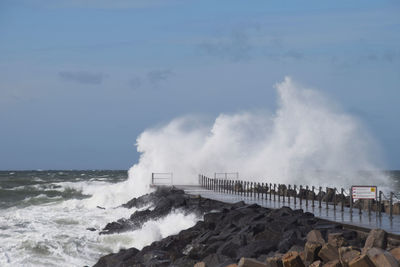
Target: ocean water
[45,216]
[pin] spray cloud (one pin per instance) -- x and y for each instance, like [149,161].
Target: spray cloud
[308,141]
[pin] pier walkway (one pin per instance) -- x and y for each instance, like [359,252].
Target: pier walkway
[364,220]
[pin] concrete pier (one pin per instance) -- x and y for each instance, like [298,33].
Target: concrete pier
[364,220]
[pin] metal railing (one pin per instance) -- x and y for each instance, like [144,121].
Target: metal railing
[331,197]
[161,178]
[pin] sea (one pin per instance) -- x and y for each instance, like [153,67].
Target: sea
[50,218]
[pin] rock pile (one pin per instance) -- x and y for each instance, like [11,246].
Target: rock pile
[247,236]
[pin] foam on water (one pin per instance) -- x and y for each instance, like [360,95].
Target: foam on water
[55,234]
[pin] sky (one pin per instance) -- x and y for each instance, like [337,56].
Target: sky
[81,79]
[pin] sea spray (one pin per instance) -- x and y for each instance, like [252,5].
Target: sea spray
[308,140]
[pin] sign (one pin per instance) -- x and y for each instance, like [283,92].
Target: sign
[363,192]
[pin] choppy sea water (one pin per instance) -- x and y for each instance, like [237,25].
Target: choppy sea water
[45,216]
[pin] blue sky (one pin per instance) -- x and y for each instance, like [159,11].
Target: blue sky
[80,80]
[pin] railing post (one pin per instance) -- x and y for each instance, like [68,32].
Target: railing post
[313,197]
[279,192]
[369,207]
[326,199]
[263,191]
[306,195]
[284,192]
[380,203]
[258,191]
[270,191]
[300,198]
[288,195]
[334,198]
[320,197]
[274,191]
[351,199]
[343,199]
[391,206]
[295,194]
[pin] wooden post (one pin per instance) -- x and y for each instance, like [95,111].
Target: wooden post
[295,194]
[274,191]
[288,197]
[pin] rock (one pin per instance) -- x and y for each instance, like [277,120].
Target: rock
[376,238]
[275,261]
[316,237]
[248,262]
[337,240]
[328,253]
[200,264]
[346,254]
[361,261]
[232,265]
[334,263]
[311,250]
[316,264]
[216,260]
[292,259]
[115,259]
[396,253]
[382,258]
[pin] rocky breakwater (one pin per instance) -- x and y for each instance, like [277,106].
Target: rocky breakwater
[247,235]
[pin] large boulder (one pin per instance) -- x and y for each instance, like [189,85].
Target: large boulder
[396,253]
[328,253]
[382,258]
[292,259]
[347,254]
[311,250]
[376,238]
[315,236]
[361,261]
[337,240]
[248,262]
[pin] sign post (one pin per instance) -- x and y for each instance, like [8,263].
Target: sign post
[363,192]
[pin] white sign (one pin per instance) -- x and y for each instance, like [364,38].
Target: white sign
[363,192]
